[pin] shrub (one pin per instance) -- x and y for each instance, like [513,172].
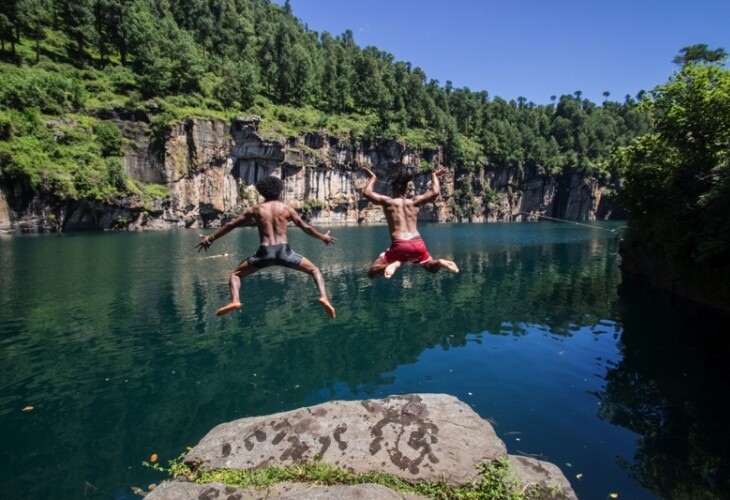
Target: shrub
[49,92]
[109,138]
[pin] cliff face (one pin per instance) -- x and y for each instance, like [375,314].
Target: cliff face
[210,168]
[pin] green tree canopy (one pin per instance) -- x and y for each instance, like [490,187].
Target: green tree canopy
[678,175]
[700,53]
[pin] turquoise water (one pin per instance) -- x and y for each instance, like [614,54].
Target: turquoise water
[112,340]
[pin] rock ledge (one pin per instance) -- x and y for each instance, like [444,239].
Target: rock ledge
[417,437]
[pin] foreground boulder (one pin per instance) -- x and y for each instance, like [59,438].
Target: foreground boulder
[417,437]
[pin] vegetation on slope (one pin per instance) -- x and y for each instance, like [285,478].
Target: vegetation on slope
[677,176]
[65,62]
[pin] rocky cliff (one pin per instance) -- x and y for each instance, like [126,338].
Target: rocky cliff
[209,168]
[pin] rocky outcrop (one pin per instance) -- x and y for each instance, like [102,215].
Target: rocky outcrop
[417,437]
[290,491]
[209,168]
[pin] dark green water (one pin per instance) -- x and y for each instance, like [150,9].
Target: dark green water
[112,339]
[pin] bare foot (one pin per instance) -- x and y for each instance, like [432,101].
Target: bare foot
[451,266]
[328,307]
[391,269]
[228,308]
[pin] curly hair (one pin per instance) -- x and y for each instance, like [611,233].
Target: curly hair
[270,187]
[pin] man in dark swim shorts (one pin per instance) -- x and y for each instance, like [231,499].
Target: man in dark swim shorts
[275,255]
[272,218]
[401,213]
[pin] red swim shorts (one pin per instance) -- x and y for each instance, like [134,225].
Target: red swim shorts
[413,251]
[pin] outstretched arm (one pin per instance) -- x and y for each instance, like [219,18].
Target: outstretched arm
[207,241]
[435,189]
[326,238]
[368,192]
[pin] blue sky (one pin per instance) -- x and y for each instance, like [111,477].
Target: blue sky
[530,48]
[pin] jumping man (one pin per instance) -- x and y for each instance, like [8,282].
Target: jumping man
[401,212]
[271,217]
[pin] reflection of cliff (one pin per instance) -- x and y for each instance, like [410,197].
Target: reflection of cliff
[672,388]
[552,285]
[210,167]
[119,349]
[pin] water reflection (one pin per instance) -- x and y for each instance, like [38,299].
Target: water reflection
[672,387]
[113,340]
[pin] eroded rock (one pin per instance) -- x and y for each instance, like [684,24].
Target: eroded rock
[416,437]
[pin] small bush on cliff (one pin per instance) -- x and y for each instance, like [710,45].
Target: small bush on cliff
[312,205]
[490,195]
[156,191]
[109,138]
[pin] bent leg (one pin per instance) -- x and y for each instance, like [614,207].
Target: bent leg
[234,285]
[391,269]
[306,266]
[377,268]
[434,265]
[449,264]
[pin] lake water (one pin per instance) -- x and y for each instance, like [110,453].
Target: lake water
[112,340]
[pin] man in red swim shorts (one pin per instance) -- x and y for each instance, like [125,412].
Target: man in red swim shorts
[401,212]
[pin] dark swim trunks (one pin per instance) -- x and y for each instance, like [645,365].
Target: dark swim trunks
[413,250]
[275,255]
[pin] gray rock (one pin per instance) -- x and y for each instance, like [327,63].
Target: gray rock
[177,490]
[416,437]
[530,472]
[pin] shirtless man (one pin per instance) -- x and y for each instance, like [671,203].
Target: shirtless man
[271,217]
[401,212]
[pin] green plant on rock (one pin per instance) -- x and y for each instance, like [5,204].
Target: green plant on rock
[425,166]
[490,195]
[248,195]
[312,205]
[121,222]
[109,138]
[161,125]
[156,191]
[495,482]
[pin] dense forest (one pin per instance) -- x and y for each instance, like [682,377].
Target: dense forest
[66,63]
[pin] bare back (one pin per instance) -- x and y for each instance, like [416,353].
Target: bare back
[272,219]
[402,216]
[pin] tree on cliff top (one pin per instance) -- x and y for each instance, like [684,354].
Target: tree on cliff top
[699,52]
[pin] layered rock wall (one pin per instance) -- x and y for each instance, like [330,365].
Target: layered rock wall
[209,168]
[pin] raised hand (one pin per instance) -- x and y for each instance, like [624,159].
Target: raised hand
[368,171]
